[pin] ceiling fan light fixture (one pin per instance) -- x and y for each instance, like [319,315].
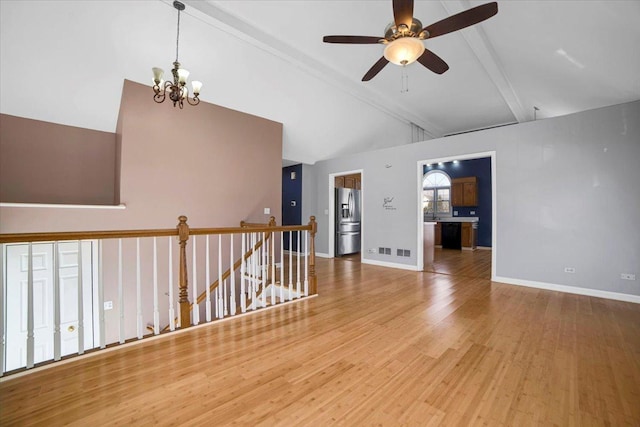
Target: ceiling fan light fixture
[404,51]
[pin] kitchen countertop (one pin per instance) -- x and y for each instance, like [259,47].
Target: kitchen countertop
[455,219]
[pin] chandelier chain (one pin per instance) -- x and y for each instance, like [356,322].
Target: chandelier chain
[178,36]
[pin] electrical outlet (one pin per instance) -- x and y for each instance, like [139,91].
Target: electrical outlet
[627,276]
[267,211]
[108,305]
[569,270]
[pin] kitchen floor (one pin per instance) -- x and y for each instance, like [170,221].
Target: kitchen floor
[455,262]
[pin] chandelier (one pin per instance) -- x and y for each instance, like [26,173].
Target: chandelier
[177,88]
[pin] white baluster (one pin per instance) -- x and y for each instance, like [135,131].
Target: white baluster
[103,335]
[243,271]
[282,266]
[57,337]
[172,312]
[120,293]
[306,263]
[140,326]
[207,283]
[3,332]
[298,290]
[254,274]
[80,302]
[272,257]
[232,281]
[221,294]
[290,296]
[226,311]
[194,275]
[156,310]
[30,333]
[265,279]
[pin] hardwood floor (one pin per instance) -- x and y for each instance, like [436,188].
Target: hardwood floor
[377,346]
[461,263]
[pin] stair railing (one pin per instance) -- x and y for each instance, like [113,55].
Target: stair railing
[127,280]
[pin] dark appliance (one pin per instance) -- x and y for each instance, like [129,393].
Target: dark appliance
[451,235]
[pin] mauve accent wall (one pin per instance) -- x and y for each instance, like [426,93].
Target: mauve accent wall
[42,162]
[215,165]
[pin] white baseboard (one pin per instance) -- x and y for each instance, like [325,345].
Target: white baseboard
[484,248]
[295,253]
[322,255]
[390,264]
[569,289]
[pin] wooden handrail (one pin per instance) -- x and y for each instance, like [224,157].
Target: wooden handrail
[271,223]
[123,234]
[85,235]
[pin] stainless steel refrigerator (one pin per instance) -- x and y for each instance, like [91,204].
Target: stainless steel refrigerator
[347,221]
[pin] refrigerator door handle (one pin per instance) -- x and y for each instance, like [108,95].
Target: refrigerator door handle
[351,205]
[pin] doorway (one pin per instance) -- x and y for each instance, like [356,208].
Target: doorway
[346,214]
[57,299]
[467,224]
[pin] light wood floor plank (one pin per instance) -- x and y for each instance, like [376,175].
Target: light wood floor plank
[378,346]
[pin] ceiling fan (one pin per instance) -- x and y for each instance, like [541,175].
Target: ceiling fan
[403,37]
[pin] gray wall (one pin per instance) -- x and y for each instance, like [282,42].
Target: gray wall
[567,195]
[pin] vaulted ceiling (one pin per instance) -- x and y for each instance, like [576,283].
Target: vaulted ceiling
[64,62]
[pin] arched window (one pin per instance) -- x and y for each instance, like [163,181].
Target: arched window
[436,194]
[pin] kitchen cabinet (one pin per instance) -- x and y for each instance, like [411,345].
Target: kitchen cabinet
[469,235]
[348,181]
[464,191]
[438,234]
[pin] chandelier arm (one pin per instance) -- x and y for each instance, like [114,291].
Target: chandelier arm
[195,102]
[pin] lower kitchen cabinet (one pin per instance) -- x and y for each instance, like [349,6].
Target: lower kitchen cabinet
[469,235]
[438,233]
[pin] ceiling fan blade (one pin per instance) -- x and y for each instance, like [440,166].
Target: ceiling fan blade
[403,12]
[375,69]
[433,62]
[462,19]
[352,39]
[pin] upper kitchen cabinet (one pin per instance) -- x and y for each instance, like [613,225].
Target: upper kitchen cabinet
[348,181]
[464,191]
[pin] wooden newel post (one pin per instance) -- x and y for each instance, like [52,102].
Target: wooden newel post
[313,281]
[270,241]
[185,305]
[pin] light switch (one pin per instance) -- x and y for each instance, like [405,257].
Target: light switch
[267,211]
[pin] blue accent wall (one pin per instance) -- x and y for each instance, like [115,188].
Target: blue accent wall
[291,191]
[480,168]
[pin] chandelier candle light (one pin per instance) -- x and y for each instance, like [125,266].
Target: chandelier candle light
[177,88]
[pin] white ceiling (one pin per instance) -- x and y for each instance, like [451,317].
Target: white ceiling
[64,61]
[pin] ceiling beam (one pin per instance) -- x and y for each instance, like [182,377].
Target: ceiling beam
[482,48]
[220,18]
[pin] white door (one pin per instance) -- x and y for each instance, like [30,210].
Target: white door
[44,300]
